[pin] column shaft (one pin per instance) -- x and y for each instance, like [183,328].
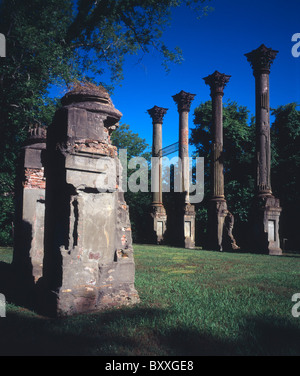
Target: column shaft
[157,173]
[184,150]
[218,211]
[158,213]
[157,114]
[217,146]
[263,146]
[266,210]
[185,226]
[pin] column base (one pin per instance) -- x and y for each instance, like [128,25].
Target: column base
[265,222]
[221,222]
[189,226]
[113,287]
[159,224]
[181,223]
[216,218]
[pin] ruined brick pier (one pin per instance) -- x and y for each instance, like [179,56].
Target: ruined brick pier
[87,261]
[30,208]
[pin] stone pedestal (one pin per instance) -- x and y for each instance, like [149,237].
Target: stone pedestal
[159,223]
[30,208]
[158,212]
[89,262]
[187,218]
[266,208]
[217,212]
[220,220]
[265,221]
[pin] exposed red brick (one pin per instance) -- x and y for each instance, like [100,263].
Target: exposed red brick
[94,256]
[34,178]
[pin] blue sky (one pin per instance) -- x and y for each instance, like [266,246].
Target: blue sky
[215,42]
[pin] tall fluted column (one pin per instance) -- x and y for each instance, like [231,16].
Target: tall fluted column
[267,232]
[218,207]
[158,213]
[217,82]
[183,101]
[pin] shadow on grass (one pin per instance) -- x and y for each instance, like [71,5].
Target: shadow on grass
[136,331]
[7,280]
[258,337]
[16,291]
[129,332]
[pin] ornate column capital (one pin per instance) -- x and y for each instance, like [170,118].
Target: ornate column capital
[36,134]
[261,59]
[183,100]
[217,82]
[157,114]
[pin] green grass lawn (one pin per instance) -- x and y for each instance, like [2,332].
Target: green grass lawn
[193,302]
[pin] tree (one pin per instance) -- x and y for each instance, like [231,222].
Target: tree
[124,138]
[138,202]
[58,41]
[239,172]
[285,136]
[240,169]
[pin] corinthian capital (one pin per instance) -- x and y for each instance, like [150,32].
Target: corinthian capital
[183,100]
[157,114]
[217,82]
[261,59]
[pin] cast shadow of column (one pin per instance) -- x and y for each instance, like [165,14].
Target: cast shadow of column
[16,279]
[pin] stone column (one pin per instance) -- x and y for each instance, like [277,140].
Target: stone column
[88,262]
[30,209]
[218,211]
[183,101]
[158,212]
[267,206]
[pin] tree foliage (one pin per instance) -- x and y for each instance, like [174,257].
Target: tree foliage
[124,138]
[138,202]
[240,169]
[285,133]
[238,155]
[59,41]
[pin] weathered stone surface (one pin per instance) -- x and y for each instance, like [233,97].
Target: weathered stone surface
[264,220]
[158,225]
[219,230]
[89,260]
[266,208]
[229,240]
[30,209]
[216,220]
[189,218]
[184,224]
[261,60]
